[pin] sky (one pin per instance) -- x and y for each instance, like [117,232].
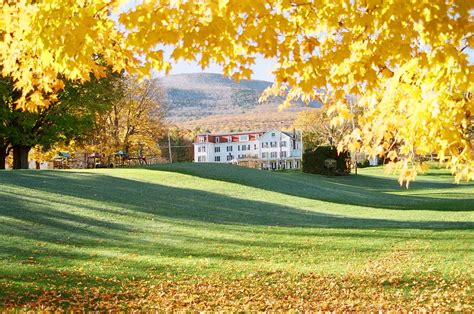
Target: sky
[262,70]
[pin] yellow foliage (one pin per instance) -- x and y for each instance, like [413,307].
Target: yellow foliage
[392,155]
[406,63]
[319,127]
[423,167]
[133,124]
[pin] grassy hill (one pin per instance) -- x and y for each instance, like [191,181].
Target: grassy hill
[204,236]
[211,101]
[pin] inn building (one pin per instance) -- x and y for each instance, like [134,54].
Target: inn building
[272,149]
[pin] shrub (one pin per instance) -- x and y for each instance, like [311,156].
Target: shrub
[326,160]
[363,163]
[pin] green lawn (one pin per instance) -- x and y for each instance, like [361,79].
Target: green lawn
[66,231]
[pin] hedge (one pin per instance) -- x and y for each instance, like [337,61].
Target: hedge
[327,161]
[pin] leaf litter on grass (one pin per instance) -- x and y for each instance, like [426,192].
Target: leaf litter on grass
[380,285]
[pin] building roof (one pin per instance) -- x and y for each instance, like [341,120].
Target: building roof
[231,133]
[234,136]
[290,134]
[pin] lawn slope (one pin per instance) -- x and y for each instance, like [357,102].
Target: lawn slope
[206,236]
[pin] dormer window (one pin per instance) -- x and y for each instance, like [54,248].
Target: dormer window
[218,139]
[201,139]
[243,138]
[229,138]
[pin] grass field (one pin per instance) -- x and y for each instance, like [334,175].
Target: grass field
[204,236]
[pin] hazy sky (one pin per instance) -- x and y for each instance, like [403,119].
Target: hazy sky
[262,70]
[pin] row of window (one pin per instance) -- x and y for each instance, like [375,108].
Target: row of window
[230,157]
[230,148]
[273,144]
[246,147]
[273,155]
[202,149]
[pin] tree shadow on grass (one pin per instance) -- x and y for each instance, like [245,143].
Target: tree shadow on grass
[362,190]
[84,217]
[180,203]
[45,216]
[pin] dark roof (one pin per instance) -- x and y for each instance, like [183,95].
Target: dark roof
[64,154]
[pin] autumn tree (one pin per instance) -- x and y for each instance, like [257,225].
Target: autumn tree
[7,96]
[405,61]
[70,117]
[133,124]
[318,128]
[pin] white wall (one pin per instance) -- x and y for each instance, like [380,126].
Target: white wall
[273,136]
[235,151]
[256,148]
[207,154]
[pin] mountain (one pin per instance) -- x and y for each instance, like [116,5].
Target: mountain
[214,102]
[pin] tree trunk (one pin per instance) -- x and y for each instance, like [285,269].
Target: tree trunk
[3,157]
[20,156]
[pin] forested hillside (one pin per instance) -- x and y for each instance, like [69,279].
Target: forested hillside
[211,101]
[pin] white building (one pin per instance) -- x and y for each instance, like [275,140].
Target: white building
[272,149]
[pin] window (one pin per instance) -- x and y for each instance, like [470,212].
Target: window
[201,158]
[273,134]
[254,146]
[201,149]
[248,147]
[218,139]
[283,154]
[283,144]
[265,155]
[273,155]
[201,139]
[238,148]
[243,138]
[217,158]
[217,149]
[244,147]
[262,144]
[229,138]
[229,157]
[229,148]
